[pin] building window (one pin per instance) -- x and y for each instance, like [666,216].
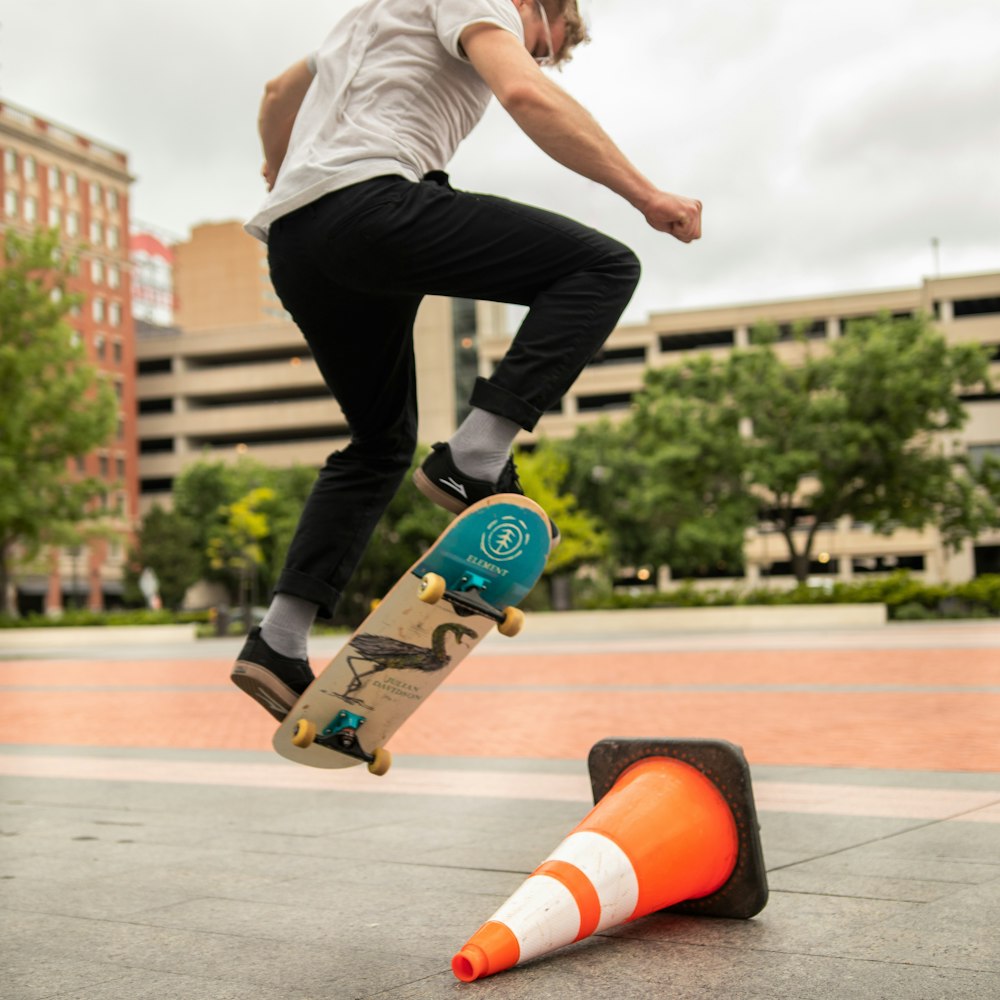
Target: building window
[97,311]
[612,401]
[977,307]
[115,314]
[97,271]
[30,168]
[99,343]
[72,185]
[697,341]
[10,161]
[96,232]
[55,217]
[114,238]
[113,200]
[978,453]
[30,209]
[11,204]
[95,193]
[620,356]
[55,178]
[114,276]
[73,224]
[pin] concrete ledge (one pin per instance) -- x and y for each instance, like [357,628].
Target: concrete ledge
[56,637]
[742,618]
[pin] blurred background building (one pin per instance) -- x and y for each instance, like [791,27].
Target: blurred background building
[207,364]
[53,176]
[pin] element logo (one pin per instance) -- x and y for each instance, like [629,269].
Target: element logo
[505,538]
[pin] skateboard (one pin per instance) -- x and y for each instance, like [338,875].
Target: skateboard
[472,577]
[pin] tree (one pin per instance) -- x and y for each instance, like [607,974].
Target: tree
[667,481]
[203,494]
[860,429]
[56,408]
[543,474]
[165,544]
[236,543]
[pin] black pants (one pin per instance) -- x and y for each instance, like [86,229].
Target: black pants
[352,267]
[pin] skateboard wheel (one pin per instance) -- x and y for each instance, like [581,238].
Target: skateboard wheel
[381,763]
[513,622]
[304,733]
[432,588]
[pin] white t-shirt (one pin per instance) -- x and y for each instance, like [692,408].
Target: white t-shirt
[393,94]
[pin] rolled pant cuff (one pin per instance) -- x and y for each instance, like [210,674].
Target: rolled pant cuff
[493,398]
[309,589]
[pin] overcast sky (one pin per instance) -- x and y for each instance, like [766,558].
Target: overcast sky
[828,142]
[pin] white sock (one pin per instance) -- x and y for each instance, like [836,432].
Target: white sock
[286,625]
[481,446]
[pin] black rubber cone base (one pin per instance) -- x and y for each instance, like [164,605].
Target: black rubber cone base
[723,763]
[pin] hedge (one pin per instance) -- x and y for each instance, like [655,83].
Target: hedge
[904,597]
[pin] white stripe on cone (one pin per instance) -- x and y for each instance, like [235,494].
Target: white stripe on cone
[543,914]
[609,870]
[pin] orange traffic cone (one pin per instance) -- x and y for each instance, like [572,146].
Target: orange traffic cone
[666,832]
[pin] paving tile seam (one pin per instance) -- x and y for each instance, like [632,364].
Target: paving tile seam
[404,985]
[460,688]
[117,922]
[874,875]
[750,946]
[904,804]
[849,895]
[90,986]
[857,846]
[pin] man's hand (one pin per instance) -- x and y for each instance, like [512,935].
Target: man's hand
[670,213]
[564,129]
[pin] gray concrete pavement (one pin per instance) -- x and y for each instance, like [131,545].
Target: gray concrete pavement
[132,873]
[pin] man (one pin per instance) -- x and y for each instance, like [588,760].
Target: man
[361,223]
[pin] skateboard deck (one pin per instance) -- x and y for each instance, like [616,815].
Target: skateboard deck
[472,577]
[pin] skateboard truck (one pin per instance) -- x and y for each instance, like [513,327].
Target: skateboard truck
[341,734]
[466,598]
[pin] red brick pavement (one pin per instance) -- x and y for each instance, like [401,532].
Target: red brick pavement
[557,706]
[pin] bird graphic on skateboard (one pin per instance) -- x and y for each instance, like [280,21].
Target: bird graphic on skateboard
[472,578]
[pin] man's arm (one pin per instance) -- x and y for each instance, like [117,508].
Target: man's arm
[564,129]
[282,99]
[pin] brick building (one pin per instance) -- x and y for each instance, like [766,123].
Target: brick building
[53,177]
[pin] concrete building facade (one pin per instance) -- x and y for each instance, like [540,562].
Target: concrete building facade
[52,176]
[966,309]
[253,389]
[221,280]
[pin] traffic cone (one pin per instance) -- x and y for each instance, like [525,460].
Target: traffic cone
[664,833]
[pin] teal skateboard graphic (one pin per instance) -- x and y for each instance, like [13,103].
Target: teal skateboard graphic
[482,565]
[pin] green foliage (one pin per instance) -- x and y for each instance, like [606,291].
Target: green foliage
[165,544]
[81,618]
[207,497]
[666,483]
[858,428]
[899,592]
[543,474]
[55,405]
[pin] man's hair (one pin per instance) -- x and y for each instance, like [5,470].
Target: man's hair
[576,30]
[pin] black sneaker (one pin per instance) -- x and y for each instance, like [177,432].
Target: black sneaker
[274,680]
[440,481]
